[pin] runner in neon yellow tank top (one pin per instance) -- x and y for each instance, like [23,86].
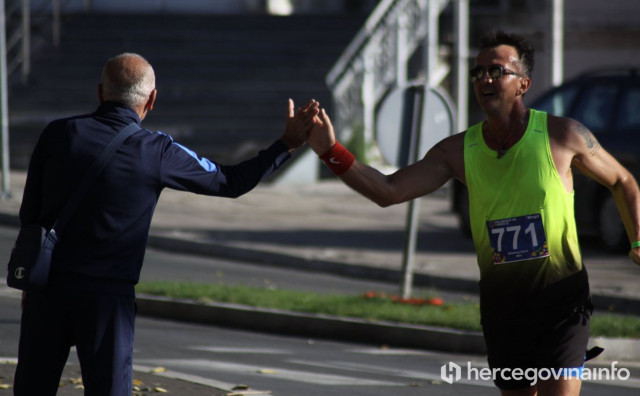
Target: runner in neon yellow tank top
[516,164]
[521,214]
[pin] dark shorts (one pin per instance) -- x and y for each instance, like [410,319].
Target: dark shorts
[544,345]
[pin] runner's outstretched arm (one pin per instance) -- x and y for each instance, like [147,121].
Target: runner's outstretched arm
[416,180]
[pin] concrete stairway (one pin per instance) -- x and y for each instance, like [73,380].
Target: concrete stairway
[223,80]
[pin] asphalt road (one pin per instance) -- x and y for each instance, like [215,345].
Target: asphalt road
[284,365]
[290,366]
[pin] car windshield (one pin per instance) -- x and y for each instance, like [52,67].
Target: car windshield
[629,117]
[596,106]
[559,102]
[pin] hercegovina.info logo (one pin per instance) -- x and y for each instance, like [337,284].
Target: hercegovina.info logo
[452,372]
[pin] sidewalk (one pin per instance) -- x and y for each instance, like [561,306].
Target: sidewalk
[327,227]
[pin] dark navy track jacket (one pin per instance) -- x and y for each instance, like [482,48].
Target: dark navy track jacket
[102,248]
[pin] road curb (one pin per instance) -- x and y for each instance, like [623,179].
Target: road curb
[348,329]
[313,325]
[390,334]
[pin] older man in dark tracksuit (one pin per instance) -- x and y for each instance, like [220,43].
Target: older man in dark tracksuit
[89,301]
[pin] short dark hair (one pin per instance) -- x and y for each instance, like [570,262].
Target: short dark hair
[523,47]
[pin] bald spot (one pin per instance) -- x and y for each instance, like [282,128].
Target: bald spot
[126,70]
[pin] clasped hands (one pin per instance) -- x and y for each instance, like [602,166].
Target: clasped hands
[308,123]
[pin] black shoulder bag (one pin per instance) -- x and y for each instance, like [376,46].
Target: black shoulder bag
[30,261]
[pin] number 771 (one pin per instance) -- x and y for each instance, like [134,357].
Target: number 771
[530,230]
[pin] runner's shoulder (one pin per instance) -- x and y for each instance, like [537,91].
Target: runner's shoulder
[559,126]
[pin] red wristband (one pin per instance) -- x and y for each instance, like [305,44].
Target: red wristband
[338,159]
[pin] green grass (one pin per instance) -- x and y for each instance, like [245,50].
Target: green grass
[463,316]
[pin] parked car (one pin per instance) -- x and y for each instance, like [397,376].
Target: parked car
[608,103]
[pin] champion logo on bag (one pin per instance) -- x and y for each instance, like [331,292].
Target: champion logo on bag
[19,273]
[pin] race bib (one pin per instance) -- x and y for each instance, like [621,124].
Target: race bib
[517,239]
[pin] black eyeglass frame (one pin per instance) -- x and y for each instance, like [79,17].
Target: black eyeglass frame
[494,72]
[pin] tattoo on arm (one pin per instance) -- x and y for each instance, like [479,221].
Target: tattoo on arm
[592,143]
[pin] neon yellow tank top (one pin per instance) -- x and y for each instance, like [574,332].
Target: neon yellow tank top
[522,217]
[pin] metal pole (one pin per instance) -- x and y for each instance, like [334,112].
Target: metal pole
[368,104]
[462,84]
[401,51]
[432,42]
[26,41]
[411,231]
[56,23]
[557,42]
[4,112]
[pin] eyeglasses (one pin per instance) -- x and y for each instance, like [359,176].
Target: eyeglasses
[494,72]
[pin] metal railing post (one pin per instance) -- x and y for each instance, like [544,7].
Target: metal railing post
[462,68]
[55,14]
[4,109]
[557,42]
[368,92]
[401,52]
[26,41]
[432,42]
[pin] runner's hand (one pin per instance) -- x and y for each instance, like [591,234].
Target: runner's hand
[322,136]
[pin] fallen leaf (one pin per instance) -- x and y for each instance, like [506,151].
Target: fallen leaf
[160,390]
[159,370]
[435,301]
[267,371]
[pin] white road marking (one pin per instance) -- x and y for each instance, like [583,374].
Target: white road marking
[272,372]
[186,377]
[392,352]
[414,374]
[260,351]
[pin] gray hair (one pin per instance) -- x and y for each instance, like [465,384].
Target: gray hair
[128,79]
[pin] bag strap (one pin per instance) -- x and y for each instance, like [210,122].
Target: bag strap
[98,164]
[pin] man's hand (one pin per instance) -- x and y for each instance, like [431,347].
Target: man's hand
[322,136]
[299,124]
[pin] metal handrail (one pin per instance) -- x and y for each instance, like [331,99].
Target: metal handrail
[18,43]
[376,61]
[359,41]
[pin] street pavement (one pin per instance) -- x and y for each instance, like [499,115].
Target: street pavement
[324,226]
